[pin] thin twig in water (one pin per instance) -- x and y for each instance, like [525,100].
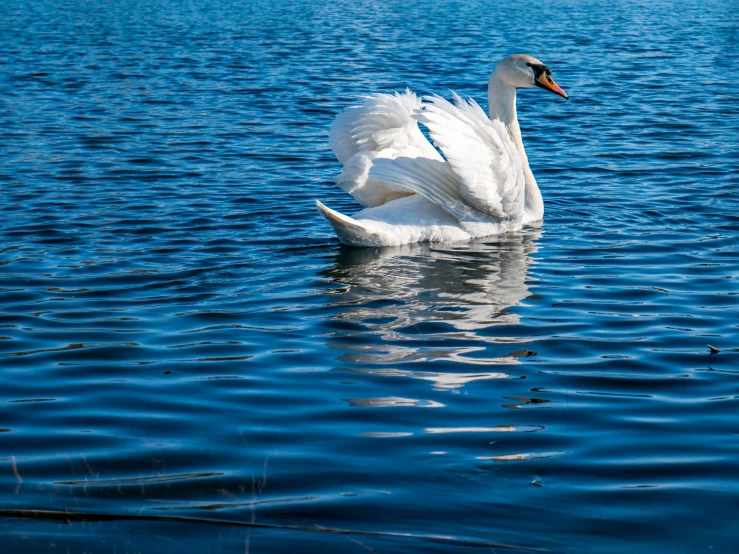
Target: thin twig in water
[360,543]
[17,475]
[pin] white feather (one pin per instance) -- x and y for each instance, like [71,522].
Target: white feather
[432,179]
[381,127]
[480,152]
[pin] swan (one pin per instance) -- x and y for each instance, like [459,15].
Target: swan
[481,186]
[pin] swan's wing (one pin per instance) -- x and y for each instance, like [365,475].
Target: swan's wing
[382,121]
[481,154]
[433,179]
[383,126]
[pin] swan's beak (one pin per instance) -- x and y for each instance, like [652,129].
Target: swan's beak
[547,83]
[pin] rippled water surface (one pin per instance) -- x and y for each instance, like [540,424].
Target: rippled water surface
[191,362]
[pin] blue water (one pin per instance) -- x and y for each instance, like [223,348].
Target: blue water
[191,362]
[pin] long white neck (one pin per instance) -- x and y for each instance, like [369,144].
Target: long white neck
[502,103]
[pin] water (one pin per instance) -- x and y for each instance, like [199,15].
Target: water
[190,362]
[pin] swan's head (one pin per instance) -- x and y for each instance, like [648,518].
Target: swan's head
[523,71]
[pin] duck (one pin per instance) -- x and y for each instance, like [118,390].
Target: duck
[473,181]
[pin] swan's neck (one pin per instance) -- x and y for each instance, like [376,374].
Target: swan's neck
[502,102]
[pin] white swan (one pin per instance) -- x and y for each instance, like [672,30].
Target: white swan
[482,186]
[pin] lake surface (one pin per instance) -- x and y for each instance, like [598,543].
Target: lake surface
[191,362]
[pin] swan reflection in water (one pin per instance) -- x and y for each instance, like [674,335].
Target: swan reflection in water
[430,303]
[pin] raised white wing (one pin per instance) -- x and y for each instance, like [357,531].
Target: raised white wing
[480,152]
[382,121]
[383,126]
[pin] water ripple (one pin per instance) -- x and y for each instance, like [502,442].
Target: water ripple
[191,362]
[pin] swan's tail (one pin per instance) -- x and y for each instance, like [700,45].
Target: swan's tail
[350,231]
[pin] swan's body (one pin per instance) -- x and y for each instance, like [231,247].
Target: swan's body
[481,186]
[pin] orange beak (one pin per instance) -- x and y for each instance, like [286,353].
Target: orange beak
[547,83]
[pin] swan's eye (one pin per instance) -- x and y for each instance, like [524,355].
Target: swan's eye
[538,69]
